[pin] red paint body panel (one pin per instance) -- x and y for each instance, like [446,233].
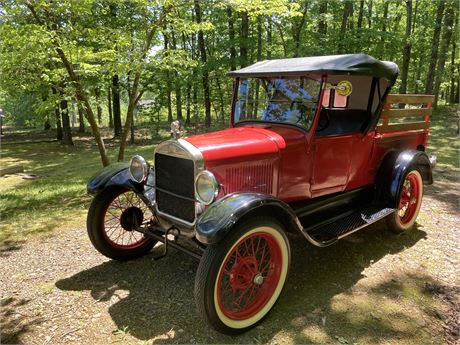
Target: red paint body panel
[291,164]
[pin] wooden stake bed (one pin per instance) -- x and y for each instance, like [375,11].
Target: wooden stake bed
[394,119]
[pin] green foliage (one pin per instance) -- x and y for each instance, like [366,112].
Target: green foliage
[106,37]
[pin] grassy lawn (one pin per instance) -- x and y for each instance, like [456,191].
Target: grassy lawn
[57,199]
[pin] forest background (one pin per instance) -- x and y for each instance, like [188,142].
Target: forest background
[109,63]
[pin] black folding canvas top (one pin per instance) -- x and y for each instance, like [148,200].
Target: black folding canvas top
[353,64]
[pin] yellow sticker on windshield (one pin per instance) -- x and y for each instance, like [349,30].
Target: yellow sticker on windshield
[344,88]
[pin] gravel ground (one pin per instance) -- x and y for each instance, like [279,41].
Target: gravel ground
[373,287]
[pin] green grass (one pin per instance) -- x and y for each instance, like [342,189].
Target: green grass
[57,200]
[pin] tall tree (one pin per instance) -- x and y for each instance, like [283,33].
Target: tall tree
[177,81]
[116,106]
[347,12]
[407,48]
[204,61]
[443,52]
[297,26]
[361,14]
[109,106]
[434,47]
[66,131]
[384,27]
[57,114]
[168,78]
[452,73]
[47,19]
[322,24]
[97,95]
[231,38]
[244,39]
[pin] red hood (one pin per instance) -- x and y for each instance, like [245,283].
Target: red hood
[233,143]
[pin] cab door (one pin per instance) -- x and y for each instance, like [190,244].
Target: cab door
[331,164]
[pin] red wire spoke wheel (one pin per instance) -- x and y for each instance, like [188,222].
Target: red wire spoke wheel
[122,216]
[410,200]
[240,278]
[113,217]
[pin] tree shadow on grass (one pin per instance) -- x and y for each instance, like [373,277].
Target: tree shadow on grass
[154,300]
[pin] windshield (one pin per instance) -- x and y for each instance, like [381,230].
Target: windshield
[291,101]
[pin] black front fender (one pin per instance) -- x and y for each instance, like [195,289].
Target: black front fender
[394,169]
[113,175]
[217,220]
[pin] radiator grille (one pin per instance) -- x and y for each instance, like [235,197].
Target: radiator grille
[253,178]
[175,186]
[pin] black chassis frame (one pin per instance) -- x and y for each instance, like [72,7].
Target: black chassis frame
[218,219]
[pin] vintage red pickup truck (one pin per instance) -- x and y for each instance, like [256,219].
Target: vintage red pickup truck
[316,146]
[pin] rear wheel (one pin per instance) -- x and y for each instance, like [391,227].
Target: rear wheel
[113,216]
[410,201]
[240,278]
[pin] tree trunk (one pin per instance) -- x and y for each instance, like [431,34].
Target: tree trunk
[283,41]
[188,104]
[57,114]
[452,73]
[109,106]
[361,14]
[177,85]
[369,14]
[231,38]
[116,106]
[81,119]
[269,38]
[322,25]
[297,26]
[347,12]
[457,91]
[135,94]
[244,39]
[417,75]
[168,78]
[384,28]
[66,131]
[259,57]
[407,48]
[204,60]
[434,48]
[447,34]
[188,86]
[97,94]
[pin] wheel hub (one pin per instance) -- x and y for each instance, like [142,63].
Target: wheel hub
[243,273]
[258,279]
[131,218]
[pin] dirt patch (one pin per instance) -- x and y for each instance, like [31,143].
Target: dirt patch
[373,287]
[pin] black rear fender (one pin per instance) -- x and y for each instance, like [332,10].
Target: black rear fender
[113,175]
[394,169]
[217,220]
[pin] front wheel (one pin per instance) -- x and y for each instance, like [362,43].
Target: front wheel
[113,217]
[240,278]
[410,200]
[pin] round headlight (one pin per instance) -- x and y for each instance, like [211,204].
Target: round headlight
[206,187]
[138,168]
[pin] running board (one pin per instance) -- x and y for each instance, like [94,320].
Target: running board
[332,230]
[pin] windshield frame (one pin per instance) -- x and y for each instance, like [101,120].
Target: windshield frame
[236,86]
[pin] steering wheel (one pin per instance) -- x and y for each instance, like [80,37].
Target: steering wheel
[323,122]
